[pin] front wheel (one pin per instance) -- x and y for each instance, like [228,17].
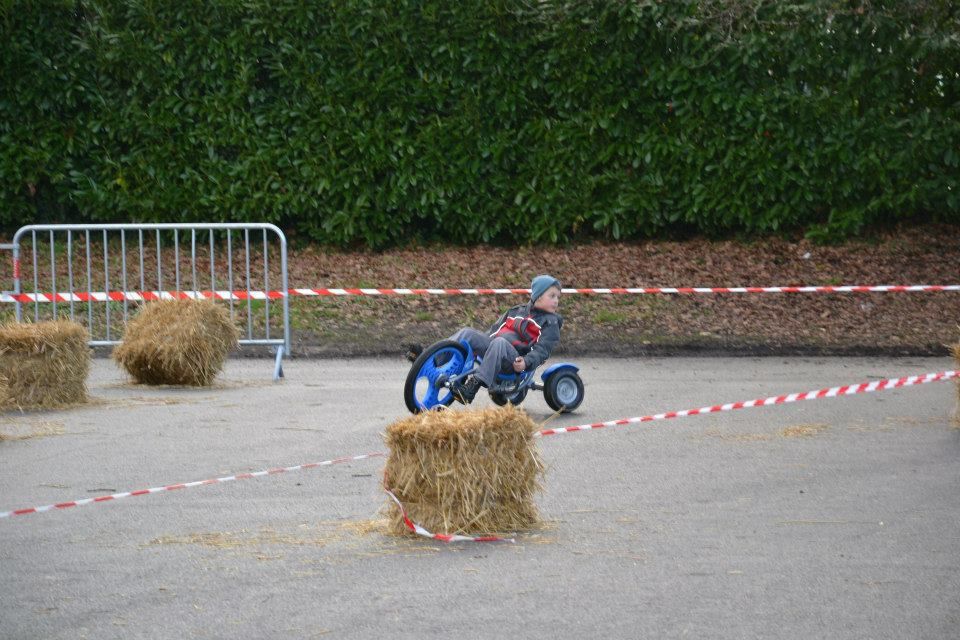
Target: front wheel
[439,362]
[564,391]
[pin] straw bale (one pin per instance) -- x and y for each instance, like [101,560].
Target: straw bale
[466,472]
[955,349]
[43,365]
[181,342]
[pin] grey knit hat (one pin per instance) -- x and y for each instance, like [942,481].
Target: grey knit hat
[540,284]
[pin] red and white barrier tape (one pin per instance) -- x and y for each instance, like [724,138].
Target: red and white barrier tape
[442,537]
[832,392]
[186,485]
[146,296]
[865,387]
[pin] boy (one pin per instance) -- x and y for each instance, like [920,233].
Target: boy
[522,338]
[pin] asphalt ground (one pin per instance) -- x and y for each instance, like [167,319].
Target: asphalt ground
[833,518]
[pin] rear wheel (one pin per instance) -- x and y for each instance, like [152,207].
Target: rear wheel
[423,389]
[564,391]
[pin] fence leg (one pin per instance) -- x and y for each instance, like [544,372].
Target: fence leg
[278,365]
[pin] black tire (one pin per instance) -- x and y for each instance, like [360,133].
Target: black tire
[515,399]
[564,391]
[446,359]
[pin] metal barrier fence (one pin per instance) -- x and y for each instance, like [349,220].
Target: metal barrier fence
[94,275]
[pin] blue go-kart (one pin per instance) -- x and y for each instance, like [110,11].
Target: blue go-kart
[444,364]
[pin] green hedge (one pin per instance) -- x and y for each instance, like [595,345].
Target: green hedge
[366,122]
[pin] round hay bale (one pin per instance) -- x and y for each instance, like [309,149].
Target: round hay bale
[180,342]
[43,365]
[464,472]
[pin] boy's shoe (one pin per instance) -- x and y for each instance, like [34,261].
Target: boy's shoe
[412,351]
[465,392]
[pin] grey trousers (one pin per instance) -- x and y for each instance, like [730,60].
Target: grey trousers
[497,353]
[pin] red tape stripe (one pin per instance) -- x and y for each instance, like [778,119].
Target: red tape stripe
[846,390]
[186,485]
[865,387]
[134,296]
[442,537]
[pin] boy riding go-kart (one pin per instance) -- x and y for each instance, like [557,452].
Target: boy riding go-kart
[503,359]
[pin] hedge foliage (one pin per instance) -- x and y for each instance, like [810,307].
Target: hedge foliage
[373,122]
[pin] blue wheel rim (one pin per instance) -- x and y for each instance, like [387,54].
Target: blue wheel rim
[447,361]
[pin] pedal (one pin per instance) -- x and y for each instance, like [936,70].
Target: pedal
[504,388]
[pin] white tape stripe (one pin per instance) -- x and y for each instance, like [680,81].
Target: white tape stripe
[137,296]
[809,395]
[173,487]
[419,530]
[878,385]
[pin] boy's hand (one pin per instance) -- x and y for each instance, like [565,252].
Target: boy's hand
[519,364]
